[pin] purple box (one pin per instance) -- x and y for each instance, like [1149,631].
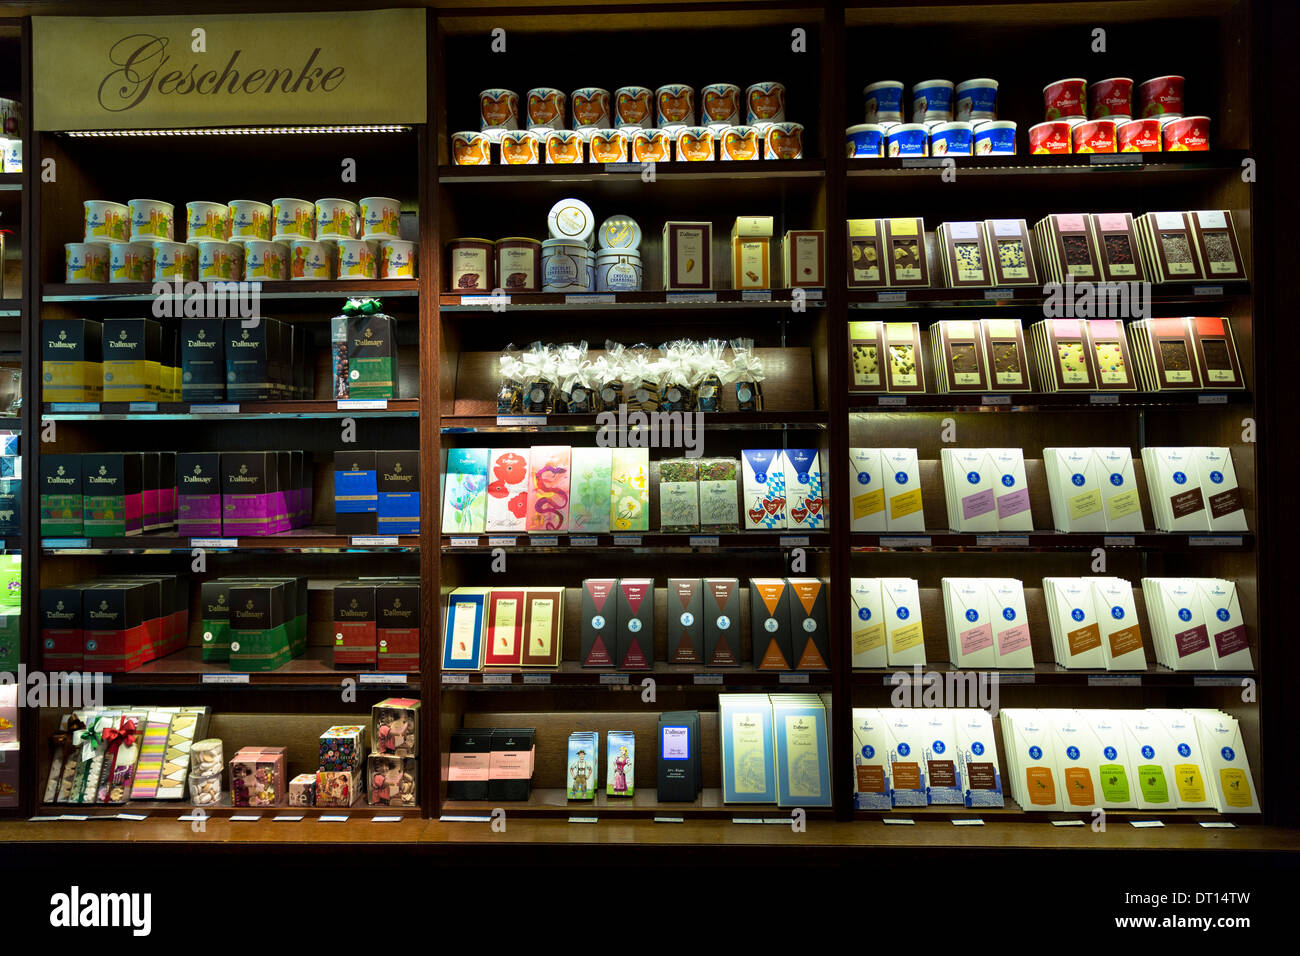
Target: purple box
[249,492]
[198,493]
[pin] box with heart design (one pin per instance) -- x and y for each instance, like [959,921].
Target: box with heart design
[803,482]
[763,487]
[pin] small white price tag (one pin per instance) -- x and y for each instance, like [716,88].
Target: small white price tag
[995,399]
[1216,399]
[587,298]
[891,399]
[899,821]
[382,678]
[1217,681]
[142,406]
[463,818]
[691,297]
[627,540]
[543,541]
[74,817]
[373,542]
[287,818]
[246,818]
[581,541]
[704,541]
[794,541]
[361,404]
[1218,825]
[213,543]
[1115,159]
[225,678]
[670,819]
[1001,541]
[385,819]
[787,678]
[1114,680]
[1146,824]
[495,542]
[464,542]
[1014,678]
[1067,823]
[613,678]
[708,679]
[133,816]
[968,822]
[997,294]
[485,300]
[537,678]
[764,295]
[455,678]
[1207,290]
[1103,399]
[333,819]
[521,419]
[584,819]
[891,296]
[914,542]
[747,820]
[1118,541]
[498,678]
[214,409]
[1214,541]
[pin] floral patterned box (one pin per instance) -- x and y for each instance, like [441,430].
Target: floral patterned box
[548,489]
[343,747]
[629,498]
[589,490]
[507,490]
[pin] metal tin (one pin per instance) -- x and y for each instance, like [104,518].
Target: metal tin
[951,139]
[618,270]
[130,262]
[207,220]
[1138,136]
[312,259]
[651,146]
[545,108]
[498,111]
[619,232]
[571,219]
[106,221]
[976,100]
[358,258]
[470,265]
[151,219]
[519,264]
[1094,136]
[675,106]
[589,107]
[994,138]
[381,218]
[563,146]
[1065,98]
[907,139]
[865,141]
[634,107]
[521,147]
[469,148]
[1186,133]
[1050,138]
[765,103]
[783,141]
[608,146]
[172,260]
[250,219]
[220,261]
[293,219]
[567,266]
[265,259]
[932,100]
[86,261]
[694,144]
[336,218]
[720,105]
[396,259]
[884,101]
[739,143]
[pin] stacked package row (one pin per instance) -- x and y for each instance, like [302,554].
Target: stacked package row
[491,763]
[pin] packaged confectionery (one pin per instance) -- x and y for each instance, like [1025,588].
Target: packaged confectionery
[469,148]
[884,102]
[865,141]
[1140,135]
[563,146]
[521,147]
[976,100]
[932,100]
[633,107]
[1161,96]
[695,144]
[1186,133]
[498,112]
[739,143]
[1064,99]
[994,138]
[589,107]
[1111,99]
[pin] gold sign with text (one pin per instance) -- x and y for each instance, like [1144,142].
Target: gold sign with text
[223,70]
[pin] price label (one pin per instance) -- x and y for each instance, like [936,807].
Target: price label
[910,162]
[385,819]
[1067,823]
[373,542]
[378,678]
[498,678]
[537,678]
[246,818]
[212,543]
[332,818]
[466,818]
[919,542]
[1114,680]
[968,822]
[485,300]
[1214,541]
[214,409]
[225,678]
[133,816]
[899,821]
[996,294]
[1207,290]
[1118,541]
[708,679]
[793,678]
[613,678]
[1103,399]
[794,541]
[1001,541]
[142,406]
[691,297]
[995,399]
[1218,825]
[584,819]
[521,419]
[814,295]
[60,408]
[891,399]
[764,295]
[501,542]
[287,819]
[891,296]
[464,542]
[74,817]
[627,540]
[455,678]
[582,541]
[543,541]
[1216,681]
[1115,159]
[65,543]
[1146,824]
[704,541]
[670,819]
[361,405]
[1014,678]
[584,298]
[747,820]
[1212,399]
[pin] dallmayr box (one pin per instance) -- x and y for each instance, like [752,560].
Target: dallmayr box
[355,637]
[113,494]
[636,624]
[599,622]
[113,626]
[198,493]
[249,480]
[372,356]
[133,361]
[721,614]
[62,643]
[398,488]
[71,360]
[60,491]
[203,360]
[260,625]
[356,492]
[248,360]
[397,626]
[685,621]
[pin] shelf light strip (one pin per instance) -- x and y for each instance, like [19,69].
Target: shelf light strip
[238,131]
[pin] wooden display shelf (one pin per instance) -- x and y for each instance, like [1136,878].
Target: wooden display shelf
[862,403]
[570,674]
[647,541]
[174,810]
[314,670]
[1168,293]
[1054,675]
[717,299]
[1013,812]
[299,539]
[284,289]
[554,802]
[738,421]
[1033,541]
[227,411]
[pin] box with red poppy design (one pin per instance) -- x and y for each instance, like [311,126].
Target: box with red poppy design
[507,489]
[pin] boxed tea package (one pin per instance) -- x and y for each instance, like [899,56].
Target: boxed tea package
[769,624]
[469,767]
[356,640]
[251,503]
[397,620]
[589,490]
[133,361]
[510,766]
[71,360]
[339,788]
[343,747]
[1011,256]
[629,496]
[113,494]
[685,621]
[398,490]
[356,492]
[198,493]
[261,621]
[372,356]
[635,609]
[763,489]
[248,359]
[721,614]
[214,619]
[599,622]
[62,642]
[203,360]
[679,495]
